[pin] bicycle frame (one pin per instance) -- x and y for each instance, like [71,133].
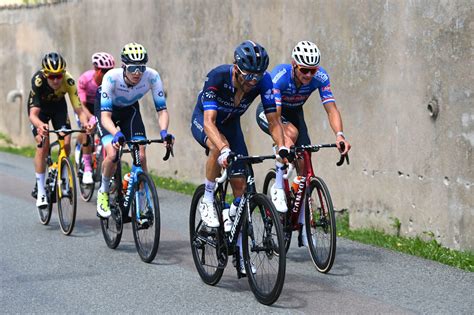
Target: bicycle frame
[136,170]
[56,164]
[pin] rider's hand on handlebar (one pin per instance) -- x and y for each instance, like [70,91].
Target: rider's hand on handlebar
[165,136]
[118,140]
[347,145]
[43,130]
[90,126]
[222,159]
[282,155]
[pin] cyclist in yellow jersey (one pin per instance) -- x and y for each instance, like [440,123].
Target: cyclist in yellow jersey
[47,102]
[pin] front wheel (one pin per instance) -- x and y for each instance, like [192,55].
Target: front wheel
[205,244]
[264,250]
[320,225]
[67,201]
[146,217]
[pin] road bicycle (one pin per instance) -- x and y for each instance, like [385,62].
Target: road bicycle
[98,155]
[262,237]
[60,184]
[139,204]
[312,194]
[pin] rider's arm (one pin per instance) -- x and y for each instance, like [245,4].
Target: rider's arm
[163,119]
[335,120]
[106,121]
[75,101]
[159,99]
[211,130]
[270,108]
[35,121]
[106,91]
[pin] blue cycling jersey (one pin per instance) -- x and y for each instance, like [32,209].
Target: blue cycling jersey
[288,96]
[218,94]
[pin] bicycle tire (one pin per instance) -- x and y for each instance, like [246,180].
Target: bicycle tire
[204,244]
[112,227]
[67,197]
[45,213]
[146,225]
[265,251]
[285,218]
[320,225]
[86,190]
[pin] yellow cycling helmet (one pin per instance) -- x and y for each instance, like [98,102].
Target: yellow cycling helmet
[134,53]
[53,63]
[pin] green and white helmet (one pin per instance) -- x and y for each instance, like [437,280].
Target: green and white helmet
[134,53]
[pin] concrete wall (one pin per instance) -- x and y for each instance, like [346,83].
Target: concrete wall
[387,60]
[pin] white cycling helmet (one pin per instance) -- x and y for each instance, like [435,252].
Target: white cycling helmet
[306,54]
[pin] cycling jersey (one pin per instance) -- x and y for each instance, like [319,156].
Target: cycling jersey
[218,94]
[289,96]
[44,97]
[115,92]
[87,88]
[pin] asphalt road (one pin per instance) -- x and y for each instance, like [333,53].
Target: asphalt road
[43,271]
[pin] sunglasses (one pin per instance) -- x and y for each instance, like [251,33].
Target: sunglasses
[58,76]
[307,70]
[135,68]
[250,76]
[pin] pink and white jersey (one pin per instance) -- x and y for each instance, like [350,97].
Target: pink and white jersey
[87,87]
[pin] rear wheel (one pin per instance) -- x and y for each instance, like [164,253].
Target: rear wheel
[87,190]
[44,213]
[285,218]
[146,217]
[204,243]
[112,227]
[320,225]
[263,250]
[67,201]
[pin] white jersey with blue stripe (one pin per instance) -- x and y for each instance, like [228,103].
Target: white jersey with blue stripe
[115,92]
[288,95]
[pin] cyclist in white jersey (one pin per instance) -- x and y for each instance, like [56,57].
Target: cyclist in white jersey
[117,106]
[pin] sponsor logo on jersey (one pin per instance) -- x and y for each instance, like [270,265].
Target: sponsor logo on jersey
[210,94]
[268,94]
[71,81]
[38,81]
[105,95]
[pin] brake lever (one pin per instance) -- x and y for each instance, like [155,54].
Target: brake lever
[343,156]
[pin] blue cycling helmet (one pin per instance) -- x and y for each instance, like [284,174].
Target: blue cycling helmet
[251,57]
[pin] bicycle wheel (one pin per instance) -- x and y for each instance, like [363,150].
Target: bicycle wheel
[44,213]
[67,202]
[145,217]
[263,243]
[320,225]
[87,190]
[204,244]
[285,218]
[112,227]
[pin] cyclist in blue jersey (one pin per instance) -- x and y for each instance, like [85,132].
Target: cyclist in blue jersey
[293,84]
[118,106]
[227,93]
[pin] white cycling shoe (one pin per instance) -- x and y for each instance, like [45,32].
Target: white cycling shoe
[209,213]
[41,201]
[242,267]
[87,178]
[278,198]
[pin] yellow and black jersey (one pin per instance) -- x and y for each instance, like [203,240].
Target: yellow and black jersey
[44,97]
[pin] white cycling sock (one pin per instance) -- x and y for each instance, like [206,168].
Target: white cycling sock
[40,183]
[209,190]
[105,185]
[279,175]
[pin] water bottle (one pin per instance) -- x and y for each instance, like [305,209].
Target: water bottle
[296,183]
[233,207]
[126,179]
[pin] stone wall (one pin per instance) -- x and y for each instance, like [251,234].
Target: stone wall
[387,61]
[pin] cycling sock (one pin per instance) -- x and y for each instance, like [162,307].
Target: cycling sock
[209,190]
[279,175]
[87,158]
[105,185]
[40,183]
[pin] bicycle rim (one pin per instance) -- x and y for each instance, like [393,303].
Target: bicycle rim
[204,244]
[146,218]
[263,249]
[320,226]
[67,202]
[112,227]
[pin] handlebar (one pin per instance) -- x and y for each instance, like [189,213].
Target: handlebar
[169,146]
[294,150]
[63,132]
[248,159]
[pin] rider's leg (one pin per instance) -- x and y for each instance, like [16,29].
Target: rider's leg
[213,169]
[108,167]
[40,170]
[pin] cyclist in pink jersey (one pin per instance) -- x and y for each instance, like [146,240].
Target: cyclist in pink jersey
[89,82]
